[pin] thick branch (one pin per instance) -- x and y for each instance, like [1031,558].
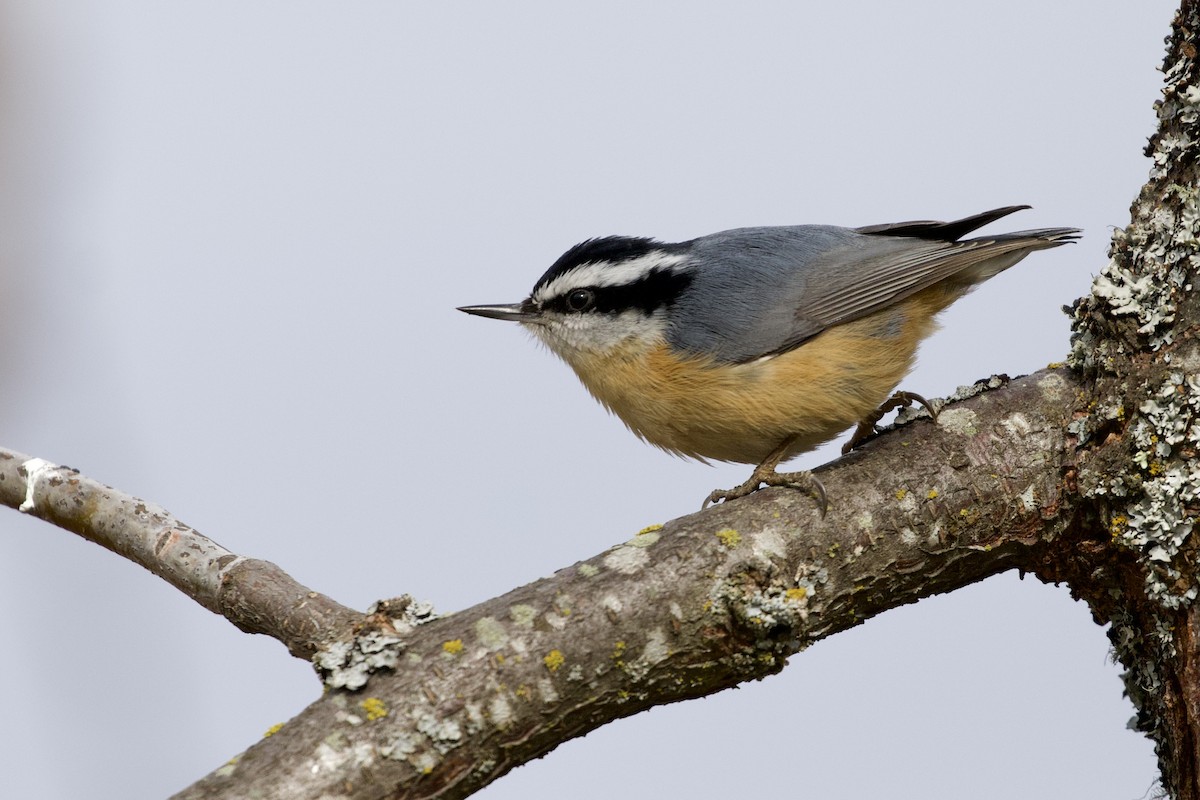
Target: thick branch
[696,606]
[1136,344]
[254,595]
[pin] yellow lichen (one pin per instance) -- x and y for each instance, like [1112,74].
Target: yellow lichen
[969,516]
[651,528]
[1117,526]
[729,537]
[274,729]
[796,594]
[618,654]
[553,660]
[453,647]
[933,493]
[901,494]
[646,538]
[374,708]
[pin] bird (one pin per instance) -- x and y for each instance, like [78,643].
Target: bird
[754,345]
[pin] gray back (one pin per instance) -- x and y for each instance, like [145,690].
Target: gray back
[759,291]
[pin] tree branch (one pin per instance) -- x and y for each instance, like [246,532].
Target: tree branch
[702,604]
[254,595]
[1135,343]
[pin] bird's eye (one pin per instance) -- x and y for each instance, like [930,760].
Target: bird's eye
[581,300]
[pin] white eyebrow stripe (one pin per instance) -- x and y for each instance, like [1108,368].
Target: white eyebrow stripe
[608,273]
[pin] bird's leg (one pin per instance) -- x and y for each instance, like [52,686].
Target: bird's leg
[765,473]
[866,428]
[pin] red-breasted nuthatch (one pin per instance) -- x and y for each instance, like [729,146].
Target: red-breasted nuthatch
[757,344]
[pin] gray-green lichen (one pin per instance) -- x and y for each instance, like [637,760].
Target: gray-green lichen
[443,734]
[491,633]
[348,665]
[962,421]
[628,558]
[774,614]
[1132,324]
[917,411]
[1151,263]
[777,613]
[523,615]
[1157,523]
[424,747]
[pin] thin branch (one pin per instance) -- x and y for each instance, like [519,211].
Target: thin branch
[255,595]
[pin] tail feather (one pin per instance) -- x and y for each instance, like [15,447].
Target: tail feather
[1039,238]
[953,231]
[1008,249]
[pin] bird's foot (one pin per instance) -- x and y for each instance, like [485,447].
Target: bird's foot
[766,475]
[866,429]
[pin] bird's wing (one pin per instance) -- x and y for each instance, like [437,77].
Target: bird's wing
[764,291]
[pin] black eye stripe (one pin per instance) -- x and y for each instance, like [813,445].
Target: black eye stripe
[656,289]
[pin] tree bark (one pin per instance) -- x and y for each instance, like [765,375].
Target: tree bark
[1135,348]
[704,603]
[254,595]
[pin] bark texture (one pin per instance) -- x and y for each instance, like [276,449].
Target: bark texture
[1135,347]
[696,606]
[254,595]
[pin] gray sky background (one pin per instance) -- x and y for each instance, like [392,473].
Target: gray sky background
[234,235]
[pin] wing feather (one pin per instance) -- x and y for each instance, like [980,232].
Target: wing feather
[764,291]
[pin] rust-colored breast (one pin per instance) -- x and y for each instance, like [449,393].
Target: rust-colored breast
[741,412]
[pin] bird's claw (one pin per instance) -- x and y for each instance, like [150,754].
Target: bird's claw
[866,429]
[760,478]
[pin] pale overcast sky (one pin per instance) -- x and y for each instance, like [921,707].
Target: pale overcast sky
[234,238]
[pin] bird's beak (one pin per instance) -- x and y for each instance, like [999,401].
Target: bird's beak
[516,312]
